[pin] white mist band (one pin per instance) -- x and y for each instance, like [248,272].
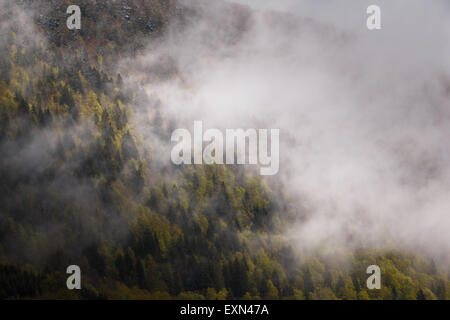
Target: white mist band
[236,147]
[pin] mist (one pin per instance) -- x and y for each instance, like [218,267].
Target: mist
[363,115]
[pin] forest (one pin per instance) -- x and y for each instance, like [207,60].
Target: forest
[79,184]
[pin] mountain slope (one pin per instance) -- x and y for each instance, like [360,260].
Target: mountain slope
[79,185]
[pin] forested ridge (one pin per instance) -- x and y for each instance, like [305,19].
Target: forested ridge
[79,185]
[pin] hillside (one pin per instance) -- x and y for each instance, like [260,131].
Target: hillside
[80,184]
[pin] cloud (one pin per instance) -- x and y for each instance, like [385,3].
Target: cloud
[363,114]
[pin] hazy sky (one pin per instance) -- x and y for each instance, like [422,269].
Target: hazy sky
[352,13]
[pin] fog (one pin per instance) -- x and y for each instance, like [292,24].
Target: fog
[363,115]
